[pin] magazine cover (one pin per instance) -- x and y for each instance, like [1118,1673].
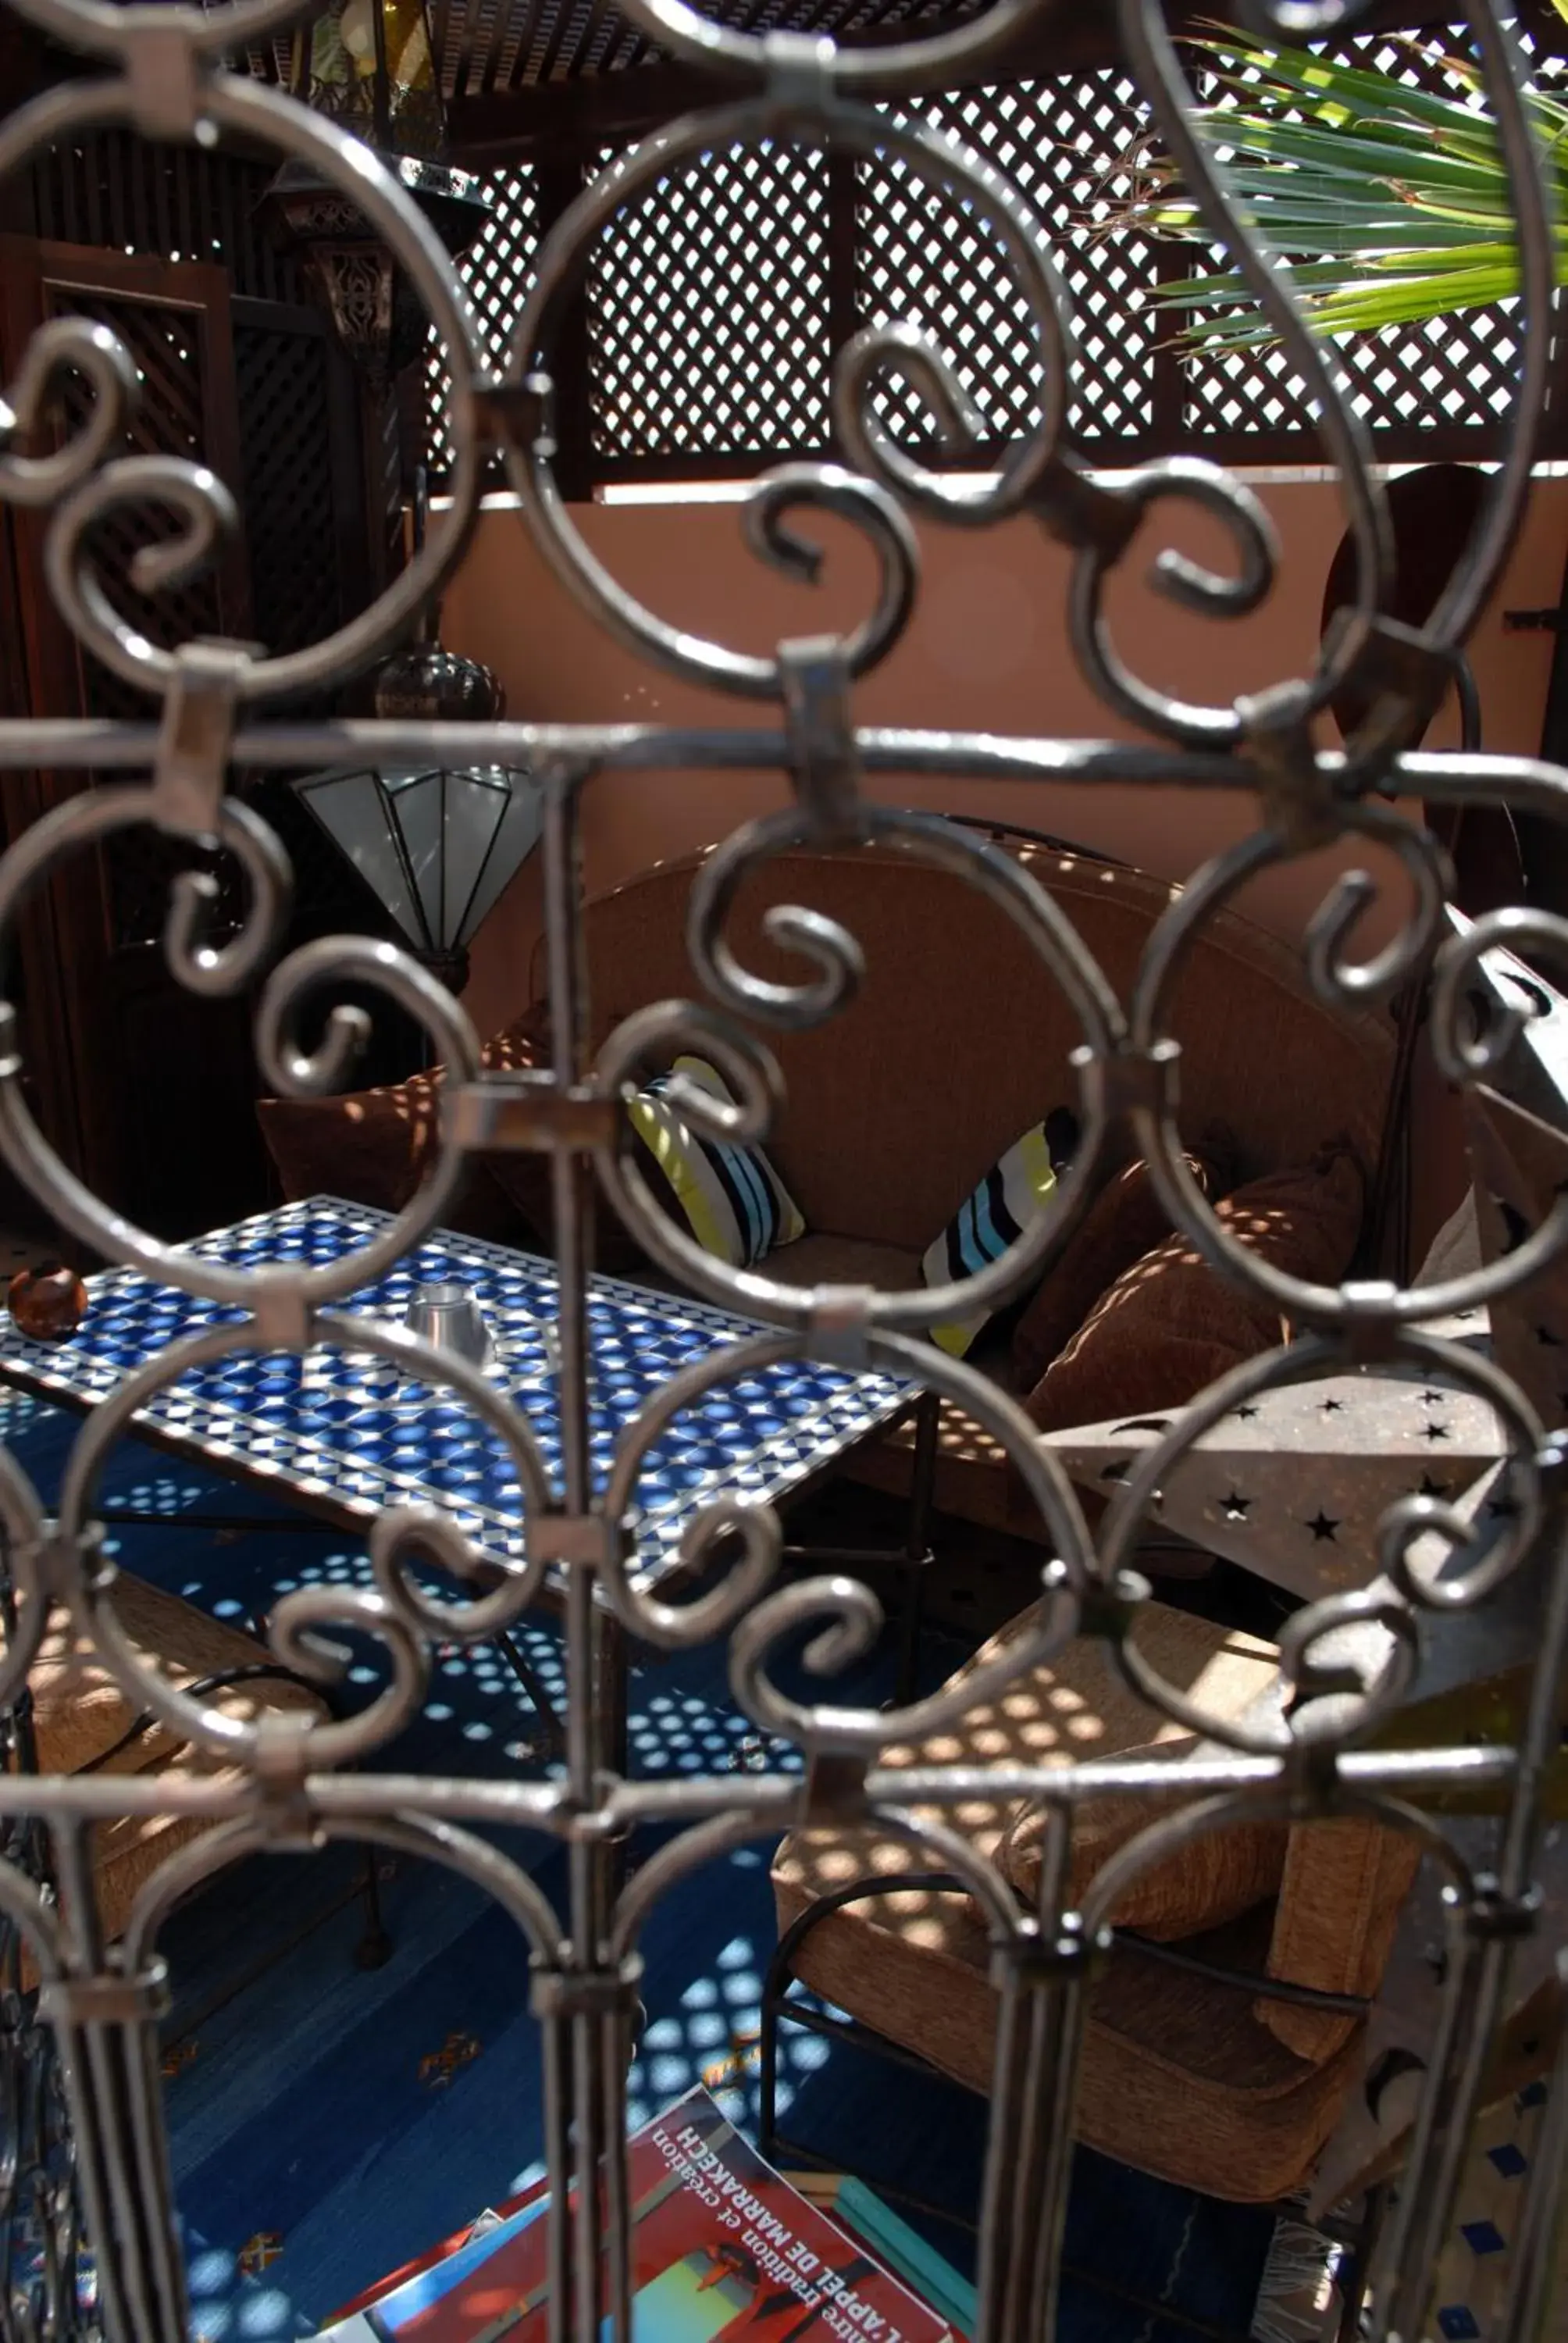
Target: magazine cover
[722,2247]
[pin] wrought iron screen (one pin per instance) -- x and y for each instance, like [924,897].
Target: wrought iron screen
[1339,1743]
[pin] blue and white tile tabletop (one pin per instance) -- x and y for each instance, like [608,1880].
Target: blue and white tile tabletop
[346,1432]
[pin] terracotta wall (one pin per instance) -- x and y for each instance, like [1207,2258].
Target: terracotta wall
[987,649]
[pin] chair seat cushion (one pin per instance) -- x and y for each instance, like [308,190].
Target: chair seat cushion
[1075,1708]
[1213,1879]
[81,1717]
[821,1258]
[1178,2078]
[80,1711]
[1177,2066]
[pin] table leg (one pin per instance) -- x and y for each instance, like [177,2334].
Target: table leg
[544,1708]
[918,1554]
[612,1736]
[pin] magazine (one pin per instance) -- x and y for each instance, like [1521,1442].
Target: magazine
[723,2250]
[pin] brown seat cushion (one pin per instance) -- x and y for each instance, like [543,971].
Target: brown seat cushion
[1076,1707]
[1125,1220]
[81,1715]
[1179,2075]
[818,1258]
[1171,1324]
[1212,1880]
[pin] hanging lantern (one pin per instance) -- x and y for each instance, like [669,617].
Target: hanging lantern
[368,66]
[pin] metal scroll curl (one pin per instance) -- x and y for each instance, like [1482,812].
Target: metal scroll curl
[212,101]
[62,346]
[749,1574]
[647,1041]
[82,821]
[396,1613]
[842,1618]
[1348,986]
[210,516]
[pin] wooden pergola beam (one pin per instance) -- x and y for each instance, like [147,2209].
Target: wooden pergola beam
[593,109]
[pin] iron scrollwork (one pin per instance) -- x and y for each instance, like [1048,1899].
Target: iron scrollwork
[164,73]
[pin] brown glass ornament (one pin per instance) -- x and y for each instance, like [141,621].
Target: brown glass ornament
[47,1304]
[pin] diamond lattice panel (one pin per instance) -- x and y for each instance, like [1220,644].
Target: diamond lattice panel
[497,273]
[708,311]
[1446,371]
[291,532]
[922,259]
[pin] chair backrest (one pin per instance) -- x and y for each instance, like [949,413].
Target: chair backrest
[959,1038]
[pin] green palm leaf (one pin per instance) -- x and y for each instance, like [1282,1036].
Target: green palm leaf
[1391,204]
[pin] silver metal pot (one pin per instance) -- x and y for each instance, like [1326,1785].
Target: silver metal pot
[446,1314]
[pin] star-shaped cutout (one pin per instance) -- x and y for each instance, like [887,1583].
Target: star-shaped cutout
[1333,1407]
[1321,1527]
[1432,1398]
[1244,1415]
[1435,1431]
[1236,1508]
[1431,1488]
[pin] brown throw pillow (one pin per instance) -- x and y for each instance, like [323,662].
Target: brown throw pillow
[1211,1881]
[1125,1220]
[1170,1324]
[374,1146]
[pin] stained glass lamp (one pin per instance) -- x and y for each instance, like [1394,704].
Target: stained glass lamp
[436,845]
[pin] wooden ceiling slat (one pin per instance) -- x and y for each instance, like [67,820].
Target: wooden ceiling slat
[582,47]
[467,12]
[566,14]
[445,58]
[494,40]
[533,12]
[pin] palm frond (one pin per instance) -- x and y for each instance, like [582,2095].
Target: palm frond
[1390,203]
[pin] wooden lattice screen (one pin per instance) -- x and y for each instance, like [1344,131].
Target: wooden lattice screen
[498,273]
[822,248]
[111,189]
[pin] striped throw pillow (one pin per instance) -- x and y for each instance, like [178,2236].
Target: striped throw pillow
[730,1198]
[1014,1192]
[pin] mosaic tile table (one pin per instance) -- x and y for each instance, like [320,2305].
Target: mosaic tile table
[346,1436]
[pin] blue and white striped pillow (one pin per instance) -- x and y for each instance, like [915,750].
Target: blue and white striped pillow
[729,1197]
[1013,1193]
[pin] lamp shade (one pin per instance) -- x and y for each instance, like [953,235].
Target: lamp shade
[436,845]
